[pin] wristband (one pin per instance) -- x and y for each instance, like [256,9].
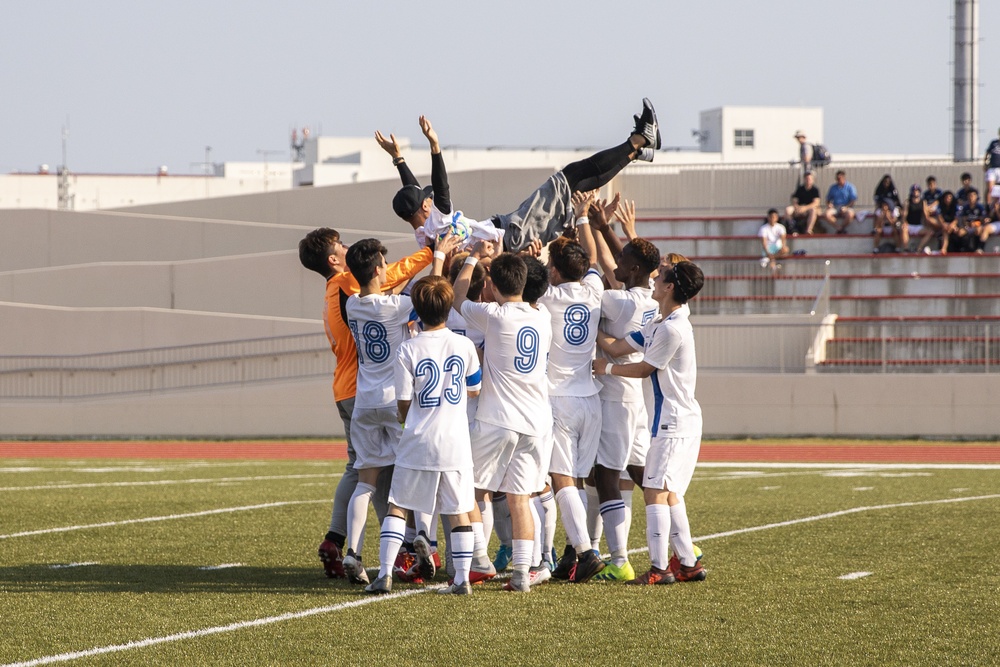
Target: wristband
[607,369]
[439,255]
[396,161]
[471,261]
[582,221]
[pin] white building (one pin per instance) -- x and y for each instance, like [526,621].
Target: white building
[758,134]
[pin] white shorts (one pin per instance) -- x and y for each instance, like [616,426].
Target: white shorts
[508,461]
[993,175]
[375,434]
[670,463]
[915,229]
[448,492]
[576,433]
[993,227]
[640,446]
[620,424]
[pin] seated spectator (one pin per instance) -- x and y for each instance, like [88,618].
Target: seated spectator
[914,221]
[947,214]
[991,165]
[931,197]
[773,240]
[963,192]
[840,199]
[801,215]
[886,201]
[990,227]
[888,226]
[971,219]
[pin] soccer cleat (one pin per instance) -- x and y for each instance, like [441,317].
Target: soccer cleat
[457,589]
[587,566]
[333,559]
[425,559]
[645,154]
[502,559]
[354,569]
[674,565]
[695,572]
[481,573]
[437,559]
[654,576]
[646,125]
[539,575]
[612,572]
[380,586]
[518,582]
[405,568]
[564,568]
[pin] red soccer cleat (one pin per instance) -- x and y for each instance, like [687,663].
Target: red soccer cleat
[655,576]
[333,560]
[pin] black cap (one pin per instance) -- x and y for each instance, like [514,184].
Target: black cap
[409,199]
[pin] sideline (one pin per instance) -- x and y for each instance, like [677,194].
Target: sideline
[192,634]
[169,517]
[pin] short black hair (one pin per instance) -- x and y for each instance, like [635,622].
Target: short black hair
[841,172]
[966,177]
[478,281]
[931,178]
[536,281]
[569,258]
[363,259]
[646,255]
[316,248]
[508,273]
[688,280]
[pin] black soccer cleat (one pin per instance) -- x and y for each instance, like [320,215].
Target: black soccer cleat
[564,568]
[587,566]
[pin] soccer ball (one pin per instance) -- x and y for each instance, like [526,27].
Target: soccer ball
[457,224]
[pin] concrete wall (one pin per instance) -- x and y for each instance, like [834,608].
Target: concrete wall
[897,406]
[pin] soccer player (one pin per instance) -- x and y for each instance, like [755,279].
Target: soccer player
[624,435]
[379,324]
[548,210]
[511,447]
[573,301]
[434,373]
[676,426]
[323,252]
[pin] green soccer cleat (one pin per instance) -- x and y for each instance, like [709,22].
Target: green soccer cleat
[613,572]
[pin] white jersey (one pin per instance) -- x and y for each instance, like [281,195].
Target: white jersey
[575,312]
[622,312]
[438,223]
[434,371]
[773,235]
[458,324]
[515,388]
[668,345]
[379,324]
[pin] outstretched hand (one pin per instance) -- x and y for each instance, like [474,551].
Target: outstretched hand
[581,202]
[390,145]
[598,216]
[428,130]
[533,249]
[483,249]
[626,214]
[448,244]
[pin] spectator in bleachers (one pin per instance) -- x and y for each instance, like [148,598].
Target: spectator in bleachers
[888,227]
[989,228]
[963,192]
[840,199]
[914,222]
[773,240]
[887,207]
[805,151]
[931,196]
[947,215]
[971,219]
[802,214]
[991,165]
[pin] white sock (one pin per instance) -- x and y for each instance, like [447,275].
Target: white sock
[627,499]
[461,539]
[390,540]
[595,526]
[549,523]
[357,515]
[521,554]
[574,518]
[680,534]
[658,534]
[613,514]
[479,540]
[423,523]
[486,509]
[409,534]
[536,544]
[501,521]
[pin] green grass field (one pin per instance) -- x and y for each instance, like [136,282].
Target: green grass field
[774,595]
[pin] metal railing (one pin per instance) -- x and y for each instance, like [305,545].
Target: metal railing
[154,370]
[800,285]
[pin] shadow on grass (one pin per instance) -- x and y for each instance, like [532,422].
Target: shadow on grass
[107,578]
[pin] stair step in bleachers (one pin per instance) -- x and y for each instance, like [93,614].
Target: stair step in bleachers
[852,306]
[853,285]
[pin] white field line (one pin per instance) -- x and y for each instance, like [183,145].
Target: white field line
[854,575]
[66,565]
[193,634]
[169,517]
[165,482]
[224,566]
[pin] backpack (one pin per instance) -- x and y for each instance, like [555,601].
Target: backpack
[821,156]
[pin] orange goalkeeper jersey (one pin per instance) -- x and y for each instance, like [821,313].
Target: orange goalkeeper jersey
[338,288]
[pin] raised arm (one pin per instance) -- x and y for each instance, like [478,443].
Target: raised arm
[439,176]
[391,146]
[442,249]
[461,288]
[402,271]
[626,213]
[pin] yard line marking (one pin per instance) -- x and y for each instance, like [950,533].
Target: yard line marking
[165,482]
[854,575]
[169,517]
[769,488]
[61,566]
[224,566]
[192,634]
[863,488]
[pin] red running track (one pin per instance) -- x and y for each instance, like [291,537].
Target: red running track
[748,452]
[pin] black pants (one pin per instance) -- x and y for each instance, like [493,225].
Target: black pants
[598,169]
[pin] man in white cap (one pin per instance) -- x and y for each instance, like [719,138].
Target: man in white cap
[805,151]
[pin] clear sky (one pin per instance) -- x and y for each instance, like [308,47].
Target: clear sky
[144,84]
